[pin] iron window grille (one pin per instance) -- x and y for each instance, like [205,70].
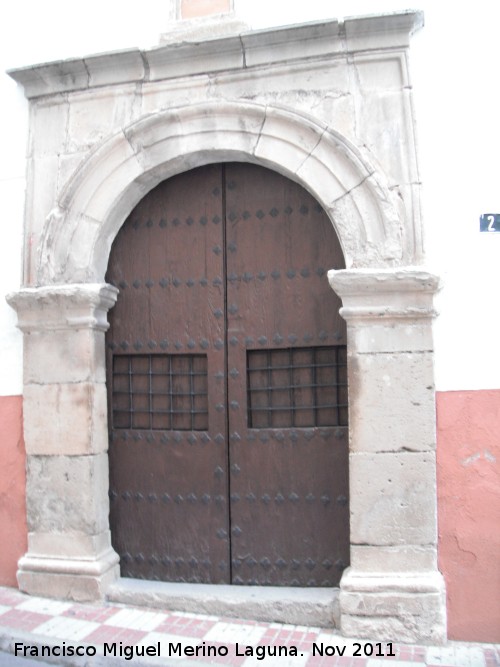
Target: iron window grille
[160,391]
[297,387]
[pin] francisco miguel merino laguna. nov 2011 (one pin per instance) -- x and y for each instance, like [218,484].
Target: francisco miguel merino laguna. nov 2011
[203,650]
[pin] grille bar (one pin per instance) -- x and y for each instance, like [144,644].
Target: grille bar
[327,406]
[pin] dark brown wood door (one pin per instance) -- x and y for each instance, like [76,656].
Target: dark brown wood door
[227,385]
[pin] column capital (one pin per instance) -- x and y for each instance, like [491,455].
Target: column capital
[385,294]
[63,307]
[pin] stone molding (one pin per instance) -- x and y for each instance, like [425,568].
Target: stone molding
[247,49]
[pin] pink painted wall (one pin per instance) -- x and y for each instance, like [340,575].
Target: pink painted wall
[468,457]
[13,532]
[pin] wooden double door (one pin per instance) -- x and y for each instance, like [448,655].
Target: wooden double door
[226,362]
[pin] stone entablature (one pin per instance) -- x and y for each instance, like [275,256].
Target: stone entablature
[326,104]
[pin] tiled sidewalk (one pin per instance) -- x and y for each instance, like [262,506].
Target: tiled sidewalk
[38,621]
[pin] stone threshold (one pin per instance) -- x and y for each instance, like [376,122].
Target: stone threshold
[318,607]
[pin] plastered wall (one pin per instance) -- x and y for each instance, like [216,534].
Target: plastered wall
[469,511]
[12,485]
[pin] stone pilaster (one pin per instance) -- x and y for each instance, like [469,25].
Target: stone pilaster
[65,425]
[393,587]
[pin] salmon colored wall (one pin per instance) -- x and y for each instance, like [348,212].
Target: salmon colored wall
[192,8]
[468,457]
[13,532]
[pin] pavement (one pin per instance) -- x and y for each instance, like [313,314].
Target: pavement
[116,635]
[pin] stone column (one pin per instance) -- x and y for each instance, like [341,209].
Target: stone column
[65,429]
[393,588]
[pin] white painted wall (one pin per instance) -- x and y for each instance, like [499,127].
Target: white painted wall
[454,61]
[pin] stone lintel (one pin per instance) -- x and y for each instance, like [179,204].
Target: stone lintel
[63,307]
[295,43]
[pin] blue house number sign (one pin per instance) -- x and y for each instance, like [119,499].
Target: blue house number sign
[489,222]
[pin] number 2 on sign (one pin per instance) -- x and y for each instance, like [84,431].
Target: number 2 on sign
[491,219]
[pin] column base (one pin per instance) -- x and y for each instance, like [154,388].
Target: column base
[82,580]
[408,607]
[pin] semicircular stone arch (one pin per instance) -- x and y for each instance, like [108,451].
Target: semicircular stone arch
[79,231]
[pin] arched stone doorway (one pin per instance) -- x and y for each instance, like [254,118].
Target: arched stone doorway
[393,587]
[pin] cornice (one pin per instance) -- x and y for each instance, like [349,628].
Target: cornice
[290,44]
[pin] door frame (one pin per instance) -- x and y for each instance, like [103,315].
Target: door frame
[388,307]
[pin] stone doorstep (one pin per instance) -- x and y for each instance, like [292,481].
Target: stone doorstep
[317,607]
